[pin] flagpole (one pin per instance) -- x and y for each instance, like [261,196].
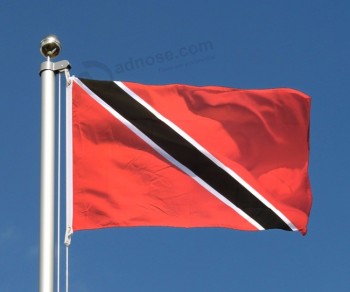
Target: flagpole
[50,47]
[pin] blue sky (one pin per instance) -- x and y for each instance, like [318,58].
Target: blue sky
[244,44]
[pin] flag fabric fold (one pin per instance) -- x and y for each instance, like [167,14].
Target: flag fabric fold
[186,156]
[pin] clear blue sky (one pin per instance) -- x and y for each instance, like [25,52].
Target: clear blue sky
[248,44]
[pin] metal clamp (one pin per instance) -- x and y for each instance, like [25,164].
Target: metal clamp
[56,67]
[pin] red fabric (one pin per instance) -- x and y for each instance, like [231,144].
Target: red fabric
[118,180]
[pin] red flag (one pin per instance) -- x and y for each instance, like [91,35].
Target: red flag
[186,156]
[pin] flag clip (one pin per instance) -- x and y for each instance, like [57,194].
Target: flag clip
[68,236]
[66,73]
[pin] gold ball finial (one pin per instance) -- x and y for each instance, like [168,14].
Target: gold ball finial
[50,46]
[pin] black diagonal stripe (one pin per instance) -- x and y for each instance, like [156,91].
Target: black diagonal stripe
[185,153]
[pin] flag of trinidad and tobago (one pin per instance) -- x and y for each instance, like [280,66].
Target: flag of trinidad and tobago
[187,156]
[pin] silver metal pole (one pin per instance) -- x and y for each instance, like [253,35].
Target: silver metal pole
[50,47]
[47,185]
